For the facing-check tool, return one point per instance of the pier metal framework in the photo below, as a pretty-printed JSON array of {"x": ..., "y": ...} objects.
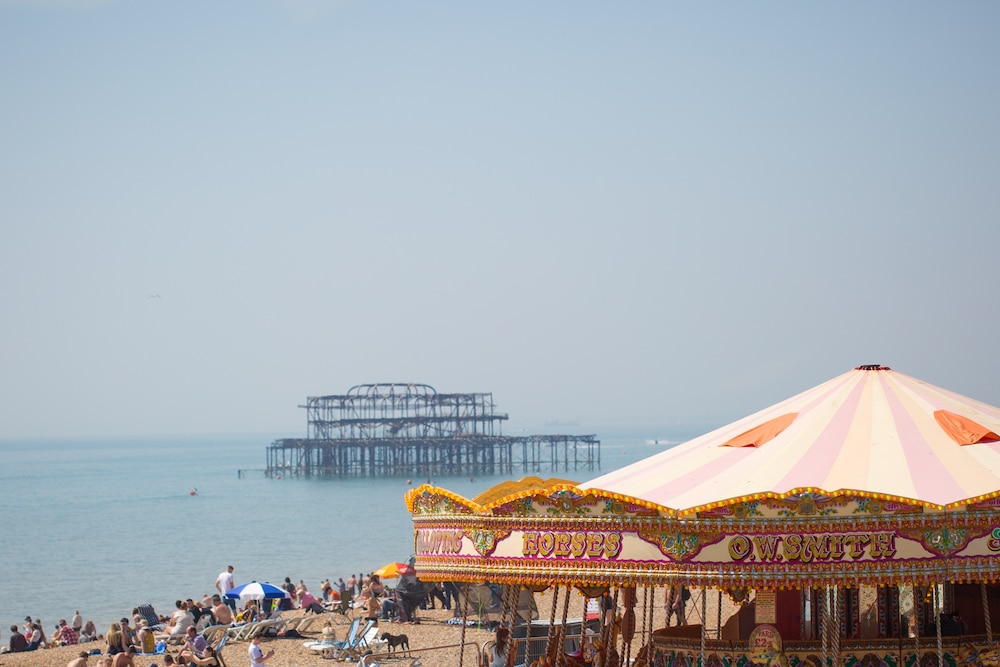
[{"x": 411, "y": 429}]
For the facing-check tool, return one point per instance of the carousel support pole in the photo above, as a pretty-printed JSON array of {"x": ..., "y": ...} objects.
[
  {"x": 608, "y": 629},
  {"x": 718, "y": 618},
  {"x": 645, "y": 611},
  {"x": 513, "y": 596},
  {"x": 704, "y": 622},
  {"x": 652, "y": 605},
  {"x": 916, "y": 633},
  {"x": 561, "y": 633},
  {"x": 552, "y": 621},
  {"x": 937, "y": 622},
  {"x": 465, "y": 620},
  {"x": 628, "y": 625},
  {"x": 835, "y": 626},
  {"x": 986, "y": 614},
  {"x": 824, "y": 626}
]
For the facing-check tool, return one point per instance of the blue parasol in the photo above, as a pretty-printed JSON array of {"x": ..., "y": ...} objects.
[{"x": 257, "y": 591}]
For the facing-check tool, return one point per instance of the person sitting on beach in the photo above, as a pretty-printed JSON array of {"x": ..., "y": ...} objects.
[
  {"x": 37, "y": 639},
  {"x": 329, "y": 634},
  {"x": 249, "y": 614},
  {"x": 67, "y": 635},
  {"x": 128, "y": 633},
  {"x": 145, "y": 639},
  {"x": 195, "y": 609},
  {"x": 115, "y": 640},
  {"x": 124, "y": 659},
  {"x": 89, "y": 632},
  {"x": 194, "y": 645},
  {"x": 369, "y": 606},
  {"x": 179, "y": 622},
  {"x": 18, "y": 642},
  {"x": 221, "y": 612},
  {"x": 79, "y": 661},
  {"x": 209, "y": 659},
  {"x": 309, "y": 603}
]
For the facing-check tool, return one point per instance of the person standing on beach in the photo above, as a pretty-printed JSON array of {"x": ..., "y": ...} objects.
[
  {"x": 77, "y": 622},
  {"x": 257, "y": 656},
  {"x": 225, "y": 583}
]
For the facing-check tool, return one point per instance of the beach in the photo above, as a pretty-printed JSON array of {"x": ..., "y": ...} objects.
[{"x": 432, "y": 641}]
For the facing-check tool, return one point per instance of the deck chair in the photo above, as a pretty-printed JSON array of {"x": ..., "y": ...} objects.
[
  {"x": 265, "y": 626},
  {"x": 369, "y": 641},
  {"x": 360, "y": 646},
  {"x": 148, "y": 613},
  {"x": 345, "y": 605},
  {"x": 240, "y": 632},
  {"x": 218, "y": 649},
  {"x": 212, "y": 632},
  {"x": 337, "y": 649},
  {"x": 309, "y": 620}
]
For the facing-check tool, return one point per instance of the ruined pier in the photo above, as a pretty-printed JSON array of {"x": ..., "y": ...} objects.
[{"x": 412, "y": 430}]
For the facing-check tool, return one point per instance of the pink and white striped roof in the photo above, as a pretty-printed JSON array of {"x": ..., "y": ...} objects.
[{"x": 871, "y": 430}]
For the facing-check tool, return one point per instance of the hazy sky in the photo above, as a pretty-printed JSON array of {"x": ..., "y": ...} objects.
[{"x": 604, "y": 213}]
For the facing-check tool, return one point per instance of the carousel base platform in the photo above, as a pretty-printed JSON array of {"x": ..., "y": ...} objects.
[{"x": 671, "y": 650}]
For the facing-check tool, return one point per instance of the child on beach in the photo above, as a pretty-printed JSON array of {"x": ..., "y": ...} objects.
[{"x": 257, "y": 656}]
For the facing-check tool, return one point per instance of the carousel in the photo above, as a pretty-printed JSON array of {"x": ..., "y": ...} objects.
[{"x": 856, "y": 524}]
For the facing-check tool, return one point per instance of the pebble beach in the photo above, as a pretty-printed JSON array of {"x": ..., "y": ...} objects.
[{"x": 433, "y": 642}]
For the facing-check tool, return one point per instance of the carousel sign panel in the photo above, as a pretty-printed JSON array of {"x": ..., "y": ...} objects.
[{"x": 539, "y": 536}]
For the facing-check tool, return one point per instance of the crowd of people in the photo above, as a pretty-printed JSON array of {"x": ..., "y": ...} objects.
[
  {"x": 33, "y": 636},
  {"x": 140, "y": 634}
]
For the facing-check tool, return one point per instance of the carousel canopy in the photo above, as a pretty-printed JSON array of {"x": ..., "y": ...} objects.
[{"x": 872, "y": 431}]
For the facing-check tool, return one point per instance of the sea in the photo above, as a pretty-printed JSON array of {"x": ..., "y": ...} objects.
[{"x": 102, "y": 525}]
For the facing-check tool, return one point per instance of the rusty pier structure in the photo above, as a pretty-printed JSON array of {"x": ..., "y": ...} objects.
[{"x": 398, "y": 429}]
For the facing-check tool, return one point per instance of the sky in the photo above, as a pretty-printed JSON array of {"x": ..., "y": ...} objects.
[{"x": 650, "y": 215}]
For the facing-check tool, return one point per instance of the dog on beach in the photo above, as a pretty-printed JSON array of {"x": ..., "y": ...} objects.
[{"x": 400, "y": 641}]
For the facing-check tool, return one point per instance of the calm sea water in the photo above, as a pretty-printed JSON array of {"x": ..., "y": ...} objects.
[{"x": 105, "y": 525}]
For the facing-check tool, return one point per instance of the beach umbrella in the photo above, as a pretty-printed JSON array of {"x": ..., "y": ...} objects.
[
  {"x": 393, "y": 571},
  {"x": 257, "y": 591}
]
